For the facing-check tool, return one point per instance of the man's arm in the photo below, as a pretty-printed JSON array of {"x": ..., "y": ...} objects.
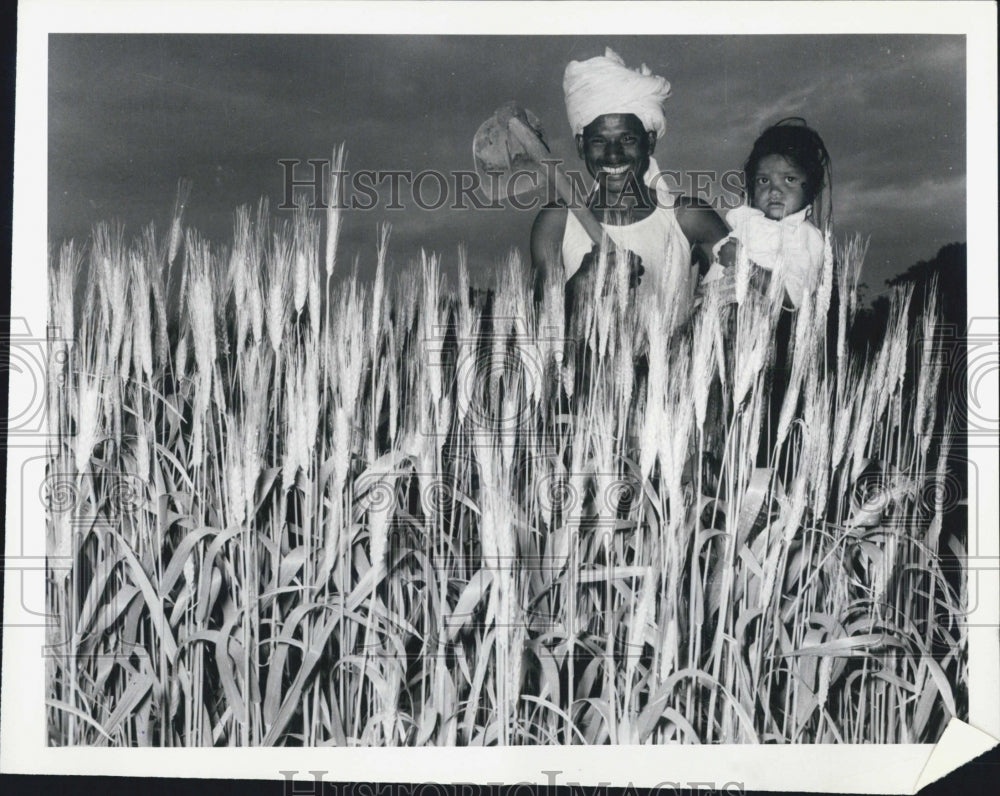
[
  {"x": 546, "y": 247},
  {"x": 703, "y": 228},
  {"x": 547, "y": 264}
]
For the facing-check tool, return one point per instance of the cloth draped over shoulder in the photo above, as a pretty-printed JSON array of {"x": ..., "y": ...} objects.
[{"x": 604, "y": 84}]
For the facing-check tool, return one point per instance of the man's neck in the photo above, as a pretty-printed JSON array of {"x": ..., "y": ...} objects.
[{"x": 633, "y": 203}]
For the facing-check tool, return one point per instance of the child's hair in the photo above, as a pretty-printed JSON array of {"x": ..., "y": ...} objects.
[{"x": 798, "y": 142}]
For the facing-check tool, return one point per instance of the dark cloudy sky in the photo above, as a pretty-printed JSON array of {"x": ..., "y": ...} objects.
[{"x": 130, "y": 114}]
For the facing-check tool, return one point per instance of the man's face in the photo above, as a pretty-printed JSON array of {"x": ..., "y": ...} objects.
[{"x": 616, "y": 148}]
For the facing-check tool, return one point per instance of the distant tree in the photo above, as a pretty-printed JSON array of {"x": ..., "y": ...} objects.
[{"x": 949, "y": 266}]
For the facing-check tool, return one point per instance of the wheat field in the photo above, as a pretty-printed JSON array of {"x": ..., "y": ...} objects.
[{"x": 287, "y": 506}]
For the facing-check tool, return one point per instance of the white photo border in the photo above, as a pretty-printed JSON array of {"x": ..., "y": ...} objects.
[{"x": 871, "y": 769}]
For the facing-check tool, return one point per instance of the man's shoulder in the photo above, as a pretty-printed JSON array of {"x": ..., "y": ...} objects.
[
  {"x": 685, "y": 201},
  {"x": 690, "y": 209},
  {"x": 694, "y": 215}
]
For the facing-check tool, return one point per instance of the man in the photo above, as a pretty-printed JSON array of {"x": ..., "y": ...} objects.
[{"x": 617, "y": 118}]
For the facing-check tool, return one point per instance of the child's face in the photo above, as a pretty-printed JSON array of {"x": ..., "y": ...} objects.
[{"x": 779, "y": 187}]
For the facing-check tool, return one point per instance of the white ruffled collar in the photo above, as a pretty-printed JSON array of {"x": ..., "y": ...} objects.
[{"x": 794, "y": 220}]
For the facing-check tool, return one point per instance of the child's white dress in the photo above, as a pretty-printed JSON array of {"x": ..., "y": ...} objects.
[{"x": 791, "y": 247}]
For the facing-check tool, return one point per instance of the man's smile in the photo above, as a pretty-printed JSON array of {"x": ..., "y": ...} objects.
[{"x": 615, "y": 170}]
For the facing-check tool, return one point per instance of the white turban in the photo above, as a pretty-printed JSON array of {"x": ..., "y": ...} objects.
[{"x": 605, "y": 85}]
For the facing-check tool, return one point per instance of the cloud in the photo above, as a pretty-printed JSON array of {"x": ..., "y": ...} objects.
[{"x": 857, "y": 201}]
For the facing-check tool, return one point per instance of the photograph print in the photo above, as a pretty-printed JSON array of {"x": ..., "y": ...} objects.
[{"x": 481, "y": 390}]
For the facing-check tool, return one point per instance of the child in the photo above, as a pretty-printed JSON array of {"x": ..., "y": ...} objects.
[
  {"x": 784, "y": 178},
  {"x": 784, "y": 175}
]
